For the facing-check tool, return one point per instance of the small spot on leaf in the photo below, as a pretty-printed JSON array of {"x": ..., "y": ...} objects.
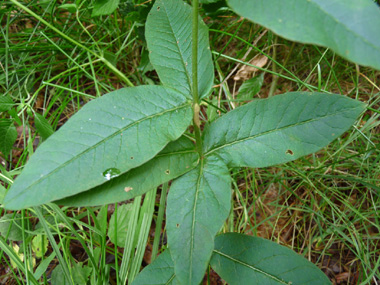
[
  {"x": 132, "y": 157},
  {"x": 158, "y": 8},
  {"x": 333, "y": 134},
  {"x": 127, "y": 189},
  {"x": 177, "y": 225},
  {"x": 289, "y": 151},
  {"x": 167, "y": 171}
]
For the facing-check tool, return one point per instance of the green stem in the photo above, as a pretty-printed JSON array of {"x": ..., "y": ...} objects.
[
  {"x": 106, "y": 62},
  {"x": 196, "y": 107},
  {"x": 274, "y": 69}
]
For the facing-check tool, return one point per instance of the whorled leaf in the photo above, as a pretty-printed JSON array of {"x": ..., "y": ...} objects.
[
  {"x": 242, "y": 259},
  {"x": 108, "y": 136},
  {"x": 175, "y": 159},
  {"x": 197, "y": 206},
  {"x": 349, "y": 27},
  {"x": 160, "y": 272},
  {"x": 279, "y": 129},
  {"x": 168, "y": 34}
]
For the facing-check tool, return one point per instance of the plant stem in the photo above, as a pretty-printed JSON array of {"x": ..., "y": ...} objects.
[
  {"x": 274, "y": 69},
  {"x": 196, "y": 107}
]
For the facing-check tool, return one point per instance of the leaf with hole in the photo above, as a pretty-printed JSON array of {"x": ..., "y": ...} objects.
[
  {"x": 40, "y": 245},
  {"x": 198, "y": 204},
  {"x": 168, "y": 30},
  {"x": 347, "y": 27},
  {"x": 280, "y": 129},
  {"x": 107, "y": 137},
  {"x": 242, "y": 259}
]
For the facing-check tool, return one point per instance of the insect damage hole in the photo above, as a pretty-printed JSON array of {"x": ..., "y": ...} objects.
[{"x": 289, "y": 151}]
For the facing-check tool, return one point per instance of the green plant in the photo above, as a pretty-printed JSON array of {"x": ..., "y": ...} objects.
[{"x": 130, "y": 141}]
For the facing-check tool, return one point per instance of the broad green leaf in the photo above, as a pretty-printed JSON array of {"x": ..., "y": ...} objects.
[
  {"x": 43, "y": 127},
  {"x": 168, "y": 34},
  {"x": 349, "y": 27},
  {"x": 6, "y": 103},
  {"x": 242, "y": 259},
  {"x": 279, "y": 129},
  {"x": 107, "y": 137},
  {"x": 198, "y": 204},
  {"x": 11, "y": 227},
  {"x": 104, "y": 7},
  {"x": 8, "y": 135},
  {"x": 58, "y": 276},
  {"x": 81, "y": 273},
  {"x": 123, "y": 217},
  {"x": 176, "y": 159},
  {"x": 250, "y": 87},
  {"x": 160, "y": 272}
]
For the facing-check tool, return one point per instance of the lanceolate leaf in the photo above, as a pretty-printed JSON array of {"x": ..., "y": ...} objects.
[
  {"x": 160, "y": 272},
  {"x": 198, "y": 204},
  {"x": 348, "y": 27},
  {"x": 280, "y": 129},
  {"x": 168, "y": 34},
  {"x": 242, "y": 259},
  {"x": 108, "y": 137},
  {"x": 176, "y": 159}
]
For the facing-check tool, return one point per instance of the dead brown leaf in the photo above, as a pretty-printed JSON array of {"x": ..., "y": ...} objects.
[{"x": 246, "y": 72}]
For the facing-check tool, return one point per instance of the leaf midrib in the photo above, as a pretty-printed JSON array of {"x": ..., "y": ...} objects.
[
  {"x": 251, "y": 267},
  {"x": 99, "y": 143},
  {"x": 275, "y": 130},
  {"x": 179, "y": 50},
  {"x": 200, "y": 173}
]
